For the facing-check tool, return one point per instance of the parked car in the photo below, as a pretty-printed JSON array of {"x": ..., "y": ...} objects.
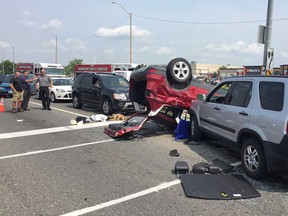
[
  {"x": 5, "y": 89},
  {"x": 106, "y": 91},
  {"x": 2, "y": 78},
  {"x": 157, "y": 86},
  {"x": 247, "y": 114}
]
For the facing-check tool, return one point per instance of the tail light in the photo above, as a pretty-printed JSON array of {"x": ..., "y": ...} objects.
[{"x": 152, "y": 70}]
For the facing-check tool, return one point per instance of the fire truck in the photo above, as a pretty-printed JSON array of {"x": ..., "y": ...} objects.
[
  {"x": 35, "y": 68},
  {"x": 121, "y": 69}
]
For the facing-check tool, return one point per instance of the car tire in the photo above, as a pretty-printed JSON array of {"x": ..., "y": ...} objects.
[
  {"x": 179, "y": 70},
  {"x": 53, "y": 97},
  {"x": 107, "y": 106},
  {"x": 76, "y": 102},
  {"x": 195, "y": 133},
  {"x": 253, "y": 159}
]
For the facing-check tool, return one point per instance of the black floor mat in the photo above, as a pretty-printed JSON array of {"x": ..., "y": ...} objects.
[
  {"x": 224, "y": 167},
  {"x": 218, "y": 186}
]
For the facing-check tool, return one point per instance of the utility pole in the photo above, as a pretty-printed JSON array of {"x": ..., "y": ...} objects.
[
  {"x": 13, "y": 59},
  {"x": 130, "y": 15},
  {"x": 268, "y": 52},
  {"x": 3, "y": 63}
]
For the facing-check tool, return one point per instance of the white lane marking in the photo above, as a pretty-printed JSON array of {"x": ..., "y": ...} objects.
[
  {"x": 124, "y": 199},
  {"x": 164, "y": 185},
  {"x": 55, "y": 149},
  {"x": 77, "y": 114},
  {"x": 53, "y": 130}
]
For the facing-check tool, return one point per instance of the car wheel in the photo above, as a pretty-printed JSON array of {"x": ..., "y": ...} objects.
[
  {"x": 76, "y": 102},
  {"x": 53, "y": 97},
  {"x": 107, "y": 106},
  {"x": 179, "y": 70},
  {"x": 195, "y": 133},
  {"x": 253, "y": 159}
]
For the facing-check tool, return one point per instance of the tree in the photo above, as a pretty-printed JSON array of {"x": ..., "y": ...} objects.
[
  {"x": 8, "y": 67},
  {"x": 220, "y": 68},
  {"x": 69, "y": 69}
]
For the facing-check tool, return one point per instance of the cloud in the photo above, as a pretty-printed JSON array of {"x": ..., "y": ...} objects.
[
  {"x": 53, "y": 24},
  {"x": 25, "y": 13},
  {"x": 238, "y": 47},
  {"x": 164, "y": 50},
  {"x": 282, "y": 54},
  {"x": 76, "y": 44},
  {"x": 27, "y": 23},
  {"x": 144, "y": 49},
  {"x": 109, "y": 51},
  {"x": 122, "y": 31},
  {"x": 4, "y": 44}
]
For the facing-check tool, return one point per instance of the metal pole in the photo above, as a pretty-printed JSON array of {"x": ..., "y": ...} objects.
[
  {"x": 130, "y": 37},
  {"x": 3, "y": 63},
  {"x": 56, "y": 52},
  {"x": 56, "y": 60},
  {"x": 13, "y": 60},
  {"x": 268, "y": 32},
  {"x": 130, "y": 15}
]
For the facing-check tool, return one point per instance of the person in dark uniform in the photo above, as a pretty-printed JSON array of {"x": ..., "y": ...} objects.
[
  {"x": 16, "y": 86},
  {"x": 27, "y": 90}
]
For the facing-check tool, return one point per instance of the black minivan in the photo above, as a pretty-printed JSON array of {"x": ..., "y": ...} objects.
[{"x": 106, "y": 91}]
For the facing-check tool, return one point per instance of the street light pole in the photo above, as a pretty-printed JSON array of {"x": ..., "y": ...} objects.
[
  {"x": 13, "y": 59},
  {"x": 130, "y": 15},
  {"x": 3, "y": 63},
  {"x": 268, "y": 32},
  {"x": 56, "y": 52}
]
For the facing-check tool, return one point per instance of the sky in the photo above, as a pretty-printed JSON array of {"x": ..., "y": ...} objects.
[{"x": 98, "y": 31}]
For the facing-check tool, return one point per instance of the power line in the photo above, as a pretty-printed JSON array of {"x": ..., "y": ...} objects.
[{"x": 207, "y": 23}]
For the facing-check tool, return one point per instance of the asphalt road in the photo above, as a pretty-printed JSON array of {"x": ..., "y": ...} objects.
[{"x": 48, "y": 167}]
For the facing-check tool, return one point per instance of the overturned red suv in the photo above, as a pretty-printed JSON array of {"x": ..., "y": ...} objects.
[{"x": 159, "y": 86}]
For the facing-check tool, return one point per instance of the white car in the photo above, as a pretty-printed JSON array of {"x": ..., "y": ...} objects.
[{"x": 61, "y": 90}]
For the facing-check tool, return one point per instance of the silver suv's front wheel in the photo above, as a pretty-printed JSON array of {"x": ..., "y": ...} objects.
[{"x": 253, "y": 159}]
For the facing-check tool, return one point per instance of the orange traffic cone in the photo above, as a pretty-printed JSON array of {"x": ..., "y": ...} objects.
[{"x": 2, "y": 108}]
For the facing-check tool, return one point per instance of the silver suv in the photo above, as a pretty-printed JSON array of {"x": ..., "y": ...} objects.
[{"x": 248, "y": 114}]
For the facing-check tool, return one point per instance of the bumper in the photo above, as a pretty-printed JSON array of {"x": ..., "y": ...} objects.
[
  {"x": 277, "y": 155},
  {"x": 8, "y": 93},
  {"x": 64, "y": 96},
  {"x": 123, "y": 105}
]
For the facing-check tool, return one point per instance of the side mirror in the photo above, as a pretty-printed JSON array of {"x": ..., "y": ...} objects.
[{"x": 201, "y": 97}]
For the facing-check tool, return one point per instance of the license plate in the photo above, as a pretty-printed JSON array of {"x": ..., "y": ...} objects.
[{"x": 10, "y": 91}]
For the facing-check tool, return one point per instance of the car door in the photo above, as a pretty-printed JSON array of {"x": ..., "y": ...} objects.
[
  {"x": 210, "y": 110},
  {"x": 84, "y": 89},
  {"x": 95, "y": 91},
  {"x": 233, "y": 113}
]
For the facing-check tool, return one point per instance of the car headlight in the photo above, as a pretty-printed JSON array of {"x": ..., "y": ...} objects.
[
  {"x": 60, "y": 90},
  {"x": 121, "y": 96},
  {"x": 1, "y": 87}
]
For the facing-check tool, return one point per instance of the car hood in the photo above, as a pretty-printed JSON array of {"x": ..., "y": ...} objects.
[
  {"x": 66, "y": 88},
  {"x": 5, "y": 85}
]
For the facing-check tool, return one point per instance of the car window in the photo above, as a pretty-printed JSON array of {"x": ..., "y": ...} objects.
[
  {"x": 62, "y": 82},
  {"x": 115, "y": 82},
  {"x": 240, "y": 94},
  {"x": 8, "y": 78},
  {"x": 86, "y": 81},
  {"x": 219, "y": 94},
  {"x": 271, "y": 95}
]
